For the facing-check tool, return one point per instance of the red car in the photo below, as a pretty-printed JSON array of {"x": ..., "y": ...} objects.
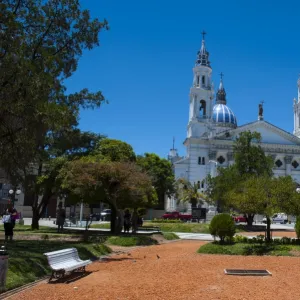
[
  {"x": 176, "y": 215},
  {"x": 240, "y": 219}
]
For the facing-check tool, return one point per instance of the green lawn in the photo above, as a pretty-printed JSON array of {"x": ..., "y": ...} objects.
[
  {"x": 27, "y": 262},
  {"x": 129, "y": 241},
  {"x": 170, "y": 227},
  {"x": 250, "y": 249},
  {"x": 170, "y": 236}
]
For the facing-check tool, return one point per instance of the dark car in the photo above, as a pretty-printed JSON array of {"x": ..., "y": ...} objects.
[{"x": 95, "y": 217}]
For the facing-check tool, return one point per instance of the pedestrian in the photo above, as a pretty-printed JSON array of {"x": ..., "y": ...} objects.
[
  {"x": 127, "y": 221},
  {"x": 60, "y": 217},
  {"x": 9, "y": 223}
]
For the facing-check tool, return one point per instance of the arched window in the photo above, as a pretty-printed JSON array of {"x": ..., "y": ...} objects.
[
  {"x": 202, "y": 109},
  {"x": 203, "y": 80},
  {"x": 198, "y": 80}
]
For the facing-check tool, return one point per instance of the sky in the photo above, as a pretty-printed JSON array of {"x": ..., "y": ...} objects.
[{"x": 144, "y": 63}]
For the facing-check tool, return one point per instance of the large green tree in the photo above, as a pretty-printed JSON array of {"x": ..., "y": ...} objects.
[
  {"x": 41, "y": 42},
  {"x": 114, "y": 150},
  {"x": 250, "y": 161},
  {"x": 161, "y": 173},
  {"x": 119, "y": 184}
]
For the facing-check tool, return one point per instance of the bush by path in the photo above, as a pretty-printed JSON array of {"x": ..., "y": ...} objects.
[
  {"x": 27, "y": 262},
  {"x": 170, "y": 236},
  {"x": 274, "y": 249}
]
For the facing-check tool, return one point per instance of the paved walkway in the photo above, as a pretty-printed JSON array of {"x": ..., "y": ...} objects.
[{"x": 182, "y": 235}]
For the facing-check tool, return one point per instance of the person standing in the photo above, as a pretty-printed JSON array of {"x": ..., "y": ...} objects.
[
  {"x": 60, "y": 217},
  {"x": 127, "y": 220},
  {"x": 9, "y": 223}
]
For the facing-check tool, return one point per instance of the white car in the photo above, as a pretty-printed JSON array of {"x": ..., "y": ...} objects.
[{"x": 280, "y": 218}]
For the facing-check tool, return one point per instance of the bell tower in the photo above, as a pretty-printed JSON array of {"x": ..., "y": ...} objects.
[
  {"x": 201, "y": 94},
  {"x": 297, "y": 112}
]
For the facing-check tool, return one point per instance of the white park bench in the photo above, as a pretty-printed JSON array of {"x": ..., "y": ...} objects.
[{"x": 63, "y": 261}]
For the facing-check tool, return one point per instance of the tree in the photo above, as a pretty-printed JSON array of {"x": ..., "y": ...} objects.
[
  {"x": 250, "y": 164},
  {"x": 114, "y": 150},
  {"x": 161, "y": 173},
  {"x": 120, "y": 184},
  {"x": 188, "y": 192},
  {"x": 249, "y": 157},
  {"x": 43, "y": 183},
  {"x": 41, "y": 42},
  {"x": 266, "y": 195}
]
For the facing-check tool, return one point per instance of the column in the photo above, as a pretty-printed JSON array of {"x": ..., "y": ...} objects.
[
  {"x": 288, "y": 161},
  {"x": 230, "y": 158}
]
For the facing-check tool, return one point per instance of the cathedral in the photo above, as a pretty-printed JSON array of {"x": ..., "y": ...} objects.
[{"x": 213, "y": 127}]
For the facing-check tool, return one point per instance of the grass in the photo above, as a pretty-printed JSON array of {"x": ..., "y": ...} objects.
[
  {"x": 170, "y": 236},
  {"x": 170, "y": 227},
  {"x": 27, "y": 262},
  {"x": 129, "y": 241},
  {"x": 250, "y": 249}
]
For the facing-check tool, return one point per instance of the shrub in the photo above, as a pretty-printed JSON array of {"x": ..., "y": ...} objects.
[
  {"x": 222, "y": 226},
  {"x": 240, "y": 239},
  {"x": 170, "y": 236},
  {"x": 297, "y": 227}
]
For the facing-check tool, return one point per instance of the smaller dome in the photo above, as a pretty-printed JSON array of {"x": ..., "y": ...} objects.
[{"x": 223, "y": 116}]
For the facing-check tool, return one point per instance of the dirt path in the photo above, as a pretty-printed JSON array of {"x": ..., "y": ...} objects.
[
  {"x": 277, "y": 233},
  {"x": 178, "y": 273}
]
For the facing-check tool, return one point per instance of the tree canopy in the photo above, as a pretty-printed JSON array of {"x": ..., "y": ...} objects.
[
  {"x": 41, "y": 42},
  {"x": 161, "y": 173}
]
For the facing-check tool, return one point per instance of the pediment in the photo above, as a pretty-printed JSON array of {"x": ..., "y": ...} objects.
[{"x": 270, "y": 134}]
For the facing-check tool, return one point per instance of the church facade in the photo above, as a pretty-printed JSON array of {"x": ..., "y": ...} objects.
[{"x": 213, "y": 127}]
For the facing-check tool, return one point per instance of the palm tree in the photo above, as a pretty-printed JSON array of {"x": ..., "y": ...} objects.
[{"x": 188, "y": 192}]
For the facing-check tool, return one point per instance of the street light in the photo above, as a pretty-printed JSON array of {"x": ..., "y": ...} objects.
[{"x": 13, "y": 193}]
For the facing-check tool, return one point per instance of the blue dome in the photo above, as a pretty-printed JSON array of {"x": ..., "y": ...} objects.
[{"x": 223, "y": 116}]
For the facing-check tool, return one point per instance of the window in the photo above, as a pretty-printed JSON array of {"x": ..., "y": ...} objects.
[
  {"x": 203, "y": 80},
  {"x": 201, "y": 160},
  {"x": 202, "y": 184},
  {"x": 198, "y": 80},
  {"x": 198, "y": 184},
  {"x": 202, "y": 110}
]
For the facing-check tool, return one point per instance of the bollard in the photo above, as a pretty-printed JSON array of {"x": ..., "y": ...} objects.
[{"x": 3, "y": 268}]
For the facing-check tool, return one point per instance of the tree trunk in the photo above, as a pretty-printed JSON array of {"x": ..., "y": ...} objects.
[
  {"x": 268, "y": 237},
  {"x": 35, "y": 219},
  {"x": 113, "y": 217},
  {"x": 250, "y": 218},
  {"x": 134, "y": 219}
]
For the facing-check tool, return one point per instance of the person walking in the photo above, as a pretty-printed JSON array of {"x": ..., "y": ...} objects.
[{"x": 60, "y": 217}]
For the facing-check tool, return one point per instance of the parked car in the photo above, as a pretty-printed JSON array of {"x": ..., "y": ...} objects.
[
  {"x": 280, "y": 218},
  {"x": 95, "y": 217},
  {"x": 240, "y": 219},
  {"x": 176, "y": 215},
  {"x": 105, "y": 215}
]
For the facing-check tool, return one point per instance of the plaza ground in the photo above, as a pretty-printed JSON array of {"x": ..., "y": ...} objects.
[{"x": 178, "y": 273}]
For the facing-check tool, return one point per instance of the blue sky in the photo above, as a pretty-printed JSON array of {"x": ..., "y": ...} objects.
[{"x": 144, "y": 65}]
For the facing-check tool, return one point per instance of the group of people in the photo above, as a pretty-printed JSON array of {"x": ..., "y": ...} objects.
[
  {"x": 131, "y": 221},
  {"x": 9, "y": 217}
]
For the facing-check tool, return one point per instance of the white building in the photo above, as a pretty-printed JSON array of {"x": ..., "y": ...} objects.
[{"x": 212, "y": 129}]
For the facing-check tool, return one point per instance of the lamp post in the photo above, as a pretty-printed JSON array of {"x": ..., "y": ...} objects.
[{"x": 13, "y": 193}]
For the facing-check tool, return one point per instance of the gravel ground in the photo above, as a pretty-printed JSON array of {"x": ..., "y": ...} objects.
[{"x": 178, "y": 273}]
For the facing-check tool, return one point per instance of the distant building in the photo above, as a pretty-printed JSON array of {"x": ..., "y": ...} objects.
[{"x": 213, "y": 127}]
